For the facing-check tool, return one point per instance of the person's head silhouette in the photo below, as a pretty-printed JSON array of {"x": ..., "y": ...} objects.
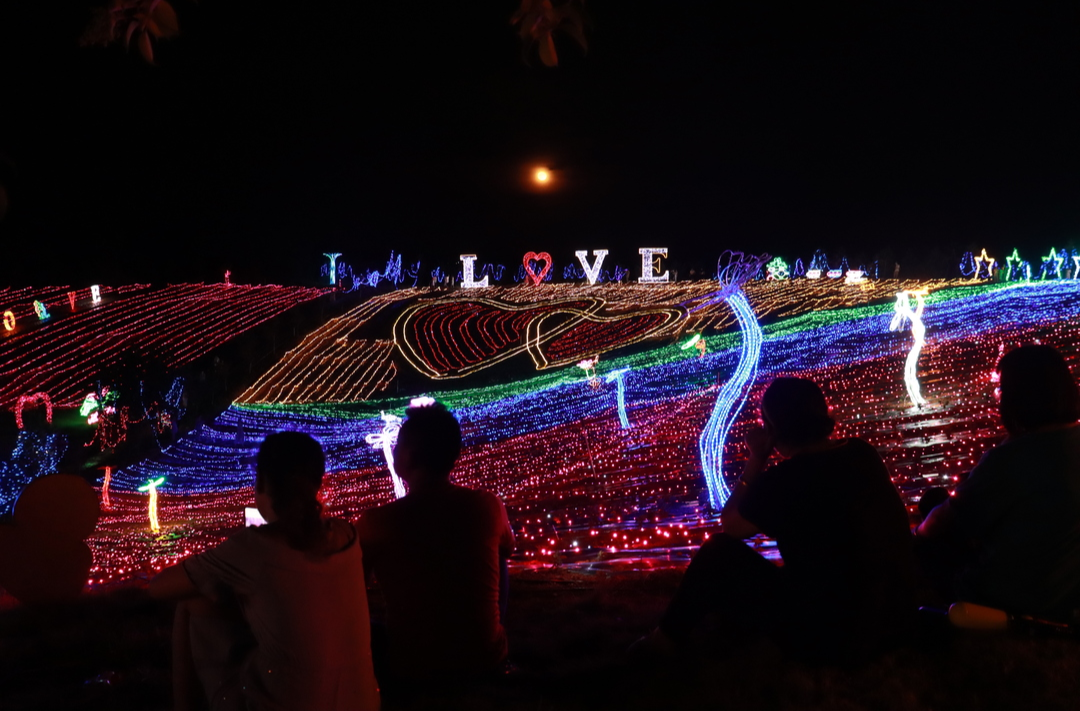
[
  {"x": 428, "y": 445},
  {"x": 795, "y": 414},
  {"x": 288, "y": 474},
  {"x": 1037, "y": 390}
]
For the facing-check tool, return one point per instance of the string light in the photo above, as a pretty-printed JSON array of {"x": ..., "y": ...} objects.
[
  {"x": 592, "y": 272},
  {"x": 385, "y": 441},
  {"x": 530, "y": 257},
  {"x": 1052, "y": 263},
  {"x": 579, "y": 490},
  {"x": 650, "y": 265},
  {"x": 152, "y": 504},
  {"x": 25, "y": 400},
  {"x": 777, "y": 269},
  {"x": 468, "y": 272},
  {"x": 984, "y": 263},
  {"x": 332, "y": 256},
  {"x": 41, "y": 311},
  {"x": 618, "y": 377},
  {"x": 905, "y": 313},
  {"x": 105, "y": 503},
  {"x": 36, "y": 454},
  {"x": 181, "y": 323}
]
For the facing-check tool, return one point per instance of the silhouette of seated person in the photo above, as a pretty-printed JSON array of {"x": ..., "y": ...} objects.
[
  {"x": 846, "y": 586},
  {"x": 1017, "y": 514},
  {"x": 276, "y": 617},
  {"x": 439, "y": 555}
]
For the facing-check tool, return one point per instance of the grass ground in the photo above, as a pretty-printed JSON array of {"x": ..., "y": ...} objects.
[{"x": 568, "y": 634}]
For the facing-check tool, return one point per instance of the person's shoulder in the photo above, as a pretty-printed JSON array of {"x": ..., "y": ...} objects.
[
  {"x": 479, "y": 497},
  {"x": 859, "y": 446}
]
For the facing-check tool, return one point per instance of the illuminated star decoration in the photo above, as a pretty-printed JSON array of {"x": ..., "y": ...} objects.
[
  {"x": 617, "y": 376},
  {"x": 1013, "y": 262},
  {"x": 151, "y": 486},
  {"x": 386, "y": 440},
  {"x": 904, "y": 313},
  {"x": 1052, "y": 262},
  {"x": 733, "y": 271},
  {"x": 989, "y": 262}
]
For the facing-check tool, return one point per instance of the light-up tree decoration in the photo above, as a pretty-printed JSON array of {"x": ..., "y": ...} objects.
[
  {"x": 777, "y": 269},
  {"x": 618, "y": 377},
  {"x": 332, "y": 256},
  {"x": 905, "y": 313},
  {"x": 386, "y": 440},
  {"x": 734, "y": 270},
  {"x": 151, "y": 487}
]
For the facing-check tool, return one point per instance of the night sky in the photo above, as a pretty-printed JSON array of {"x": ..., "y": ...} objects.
[{"x": 269, "y": 133}]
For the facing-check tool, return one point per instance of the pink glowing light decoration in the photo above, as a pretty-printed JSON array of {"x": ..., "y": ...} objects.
[
  {"x": 105, "y": 503},
  {"x": 30, "y": 399}
]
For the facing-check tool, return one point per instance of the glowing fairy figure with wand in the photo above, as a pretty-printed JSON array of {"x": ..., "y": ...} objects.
[
  {"x": 733, "y": 271},
  {"x": 904, "y": 313},
  {"x": 385, "y": 440}
]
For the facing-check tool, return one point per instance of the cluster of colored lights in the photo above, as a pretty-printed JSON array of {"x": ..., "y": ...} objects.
[
  {"x": 583, "y": 490},
  {"x": 459, "y": 334},
  {"x": 177, "y": 323}
]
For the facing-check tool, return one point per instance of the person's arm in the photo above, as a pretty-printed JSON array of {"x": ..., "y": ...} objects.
[
  {"x": 172, "y": 583},
  {"x": 760, "y": 445},
  {"x": 940, "y": 522},
  {"x": 506, "y": 548}
]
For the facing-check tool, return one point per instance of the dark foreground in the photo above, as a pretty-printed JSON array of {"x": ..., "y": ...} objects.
[{"x": 568, "y": 635}]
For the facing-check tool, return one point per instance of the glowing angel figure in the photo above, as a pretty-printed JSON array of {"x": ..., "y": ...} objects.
[
  {"x": 903, "y": 314},
  {"x": 151, "y": 487},
  {"x": 386, "y": 440},
  {"x": 735, "y": 269},
  {"x": 617, "y": 376}
]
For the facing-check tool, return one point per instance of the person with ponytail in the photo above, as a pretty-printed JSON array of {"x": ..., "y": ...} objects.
[{"x": 298, "y": 583}]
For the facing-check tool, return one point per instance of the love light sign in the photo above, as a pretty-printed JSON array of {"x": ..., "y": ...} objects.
[{"x": 538, "y": 266}]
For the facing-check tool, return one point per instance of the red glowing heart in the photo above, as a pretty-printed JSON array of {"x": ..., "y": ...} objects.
[{"x": 531, "y": 275}]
